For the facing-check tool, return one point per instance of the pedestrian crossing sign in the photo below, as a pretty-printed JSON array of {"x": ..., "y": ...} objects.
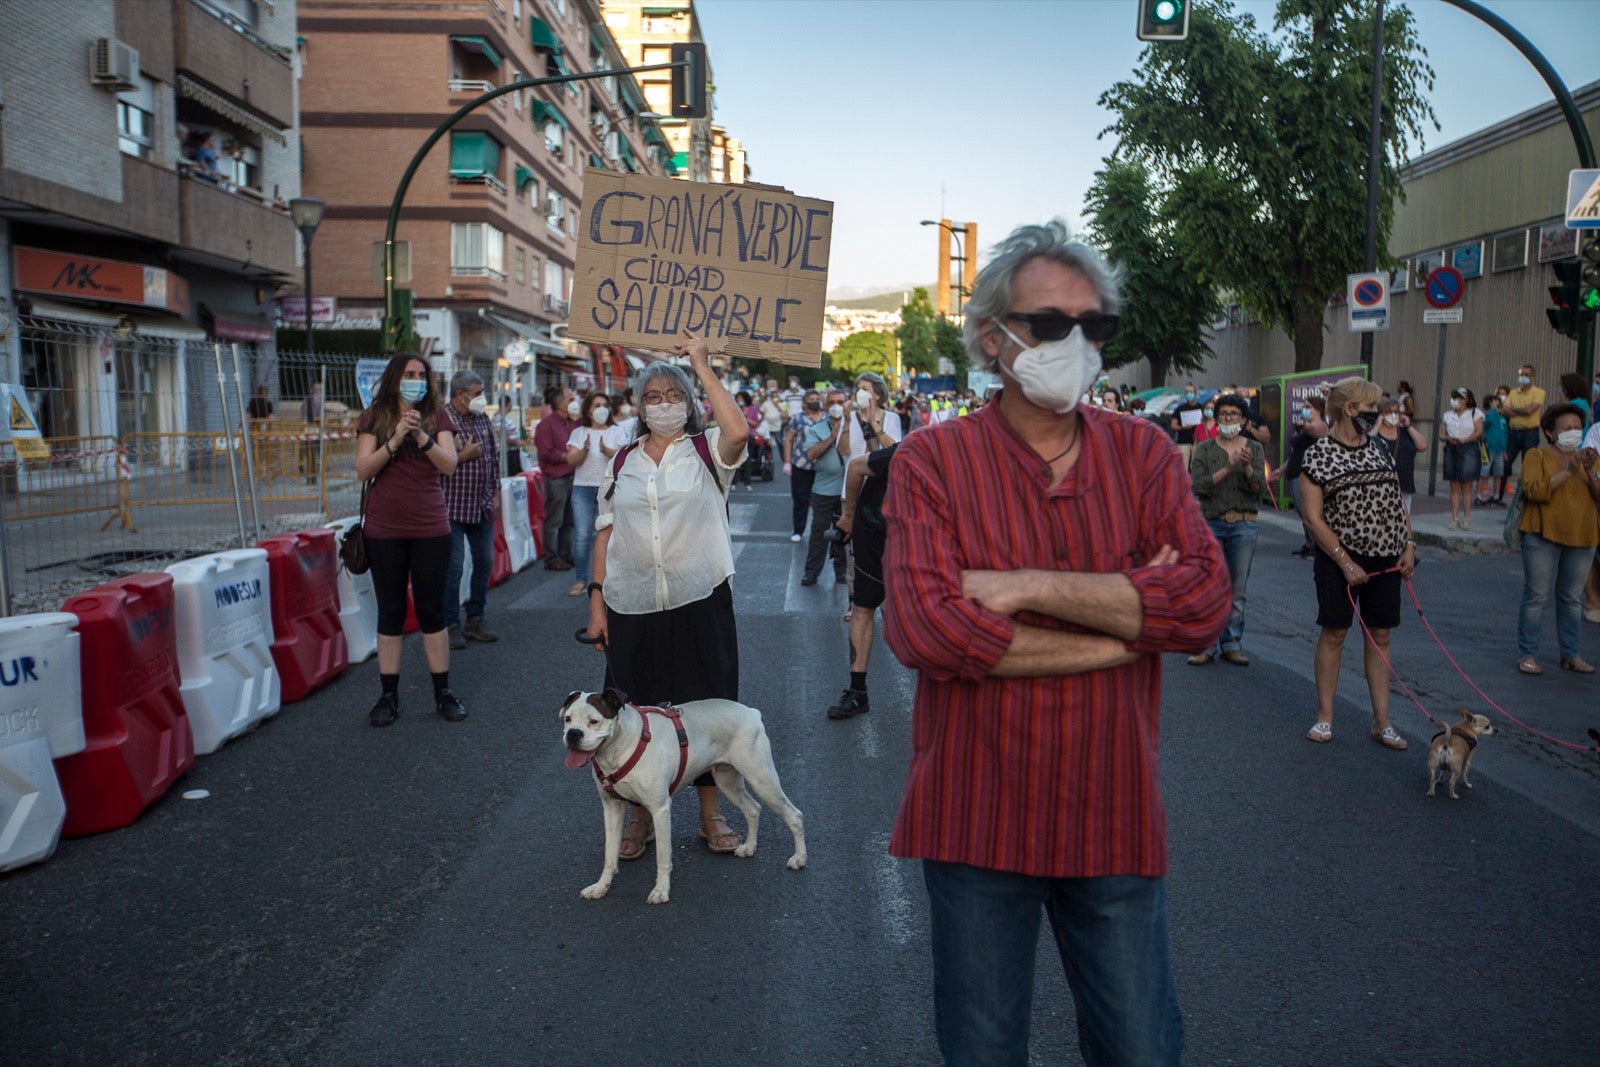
[{"x": 1583, "y": 200}]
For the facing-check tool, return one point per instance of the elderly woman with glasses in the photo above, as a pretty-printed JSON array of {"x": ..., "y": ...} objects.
[{"x": 660, "y": 605}]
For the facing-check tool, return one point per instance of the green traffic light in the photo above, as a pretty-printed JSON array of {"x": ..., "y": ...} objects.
[
  {"x": 1167, "y": 10},
  {"x": 1591, "y": 300}
]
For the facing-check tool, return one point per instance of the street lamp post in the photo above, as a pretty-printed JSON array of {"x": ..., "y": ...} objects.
[
  {"x": 956, "y": 231},
  {"x": 306, "y": 211}
]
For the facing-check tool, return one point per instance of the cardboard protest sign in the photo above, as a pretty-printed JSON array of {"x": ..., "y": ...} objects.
[{"x": 745, "y": 266}]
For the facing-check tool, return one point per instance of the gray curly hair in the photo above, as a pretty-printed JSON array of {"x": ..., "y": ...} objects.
[
  {"x": 671, "y": 377},
  {"x": 991, "y": 292}
]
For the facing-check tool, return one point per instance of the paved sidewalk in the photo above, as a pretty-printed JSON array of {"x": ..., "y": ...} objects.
[{"x": 1430, "y": 521}]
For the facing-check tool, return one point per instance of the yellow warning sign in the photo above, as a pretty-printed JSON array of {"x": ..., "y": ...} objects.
[{"x": 20, "y": 419}]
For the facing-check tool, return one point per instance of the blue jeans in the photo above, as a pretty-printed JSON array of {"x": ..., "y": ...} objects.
[
  {"x": 479, "y": 537},
  {"x": 1546, "y": 564},
  {"x": 585, "y": 506},
  {"x": 1112, "y": 936},
  {"x": 1238, "y": 543}
]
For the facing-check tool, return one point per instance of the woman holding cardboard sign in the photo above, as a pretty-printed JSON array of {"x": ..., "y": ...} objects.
[{"x": 660, "y": 605}]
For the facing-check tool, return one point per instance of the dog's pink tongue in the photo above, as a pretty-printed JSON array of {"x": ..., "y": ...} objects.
[{"x": 576, "y": 759}]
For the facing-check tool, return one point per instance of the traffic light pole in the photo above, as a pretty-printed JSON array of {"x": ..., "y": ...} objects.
[
  {"x": 1580, "y": 138},
  {"x": 398, "y": 334}
]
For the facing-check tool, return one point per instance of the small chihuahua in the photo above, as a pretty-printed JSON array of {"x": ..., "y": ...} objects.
[{"x": 1453, "y": 749}]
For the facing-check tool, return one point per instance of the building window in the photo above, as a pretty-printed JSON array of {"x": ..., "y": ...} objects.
[
  {"x": 516, "y": 10},
  {"x": 135, "y": 130},
  {"x": 242, "y": 164},
  {"x": 522, "y": 265},
  {"x": 552, "y": 138},
  {"x": 559, "y": 7},
  {"x": 555, "y": 287},
  {"x": 477, "y": 250},
  {"x": 555, "y": 210},
  {"x": 658, "y": 95}
]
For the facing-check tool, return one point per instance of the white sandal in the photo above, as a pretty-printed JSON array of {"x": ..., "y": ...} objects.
[{"x": 1320, "y": 732}]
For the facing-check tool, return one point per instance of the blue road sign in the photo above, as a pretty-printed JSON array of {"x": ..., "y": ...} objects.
[
  {"x": 1583, "y": 200},
  {"x": 1444, "y": 287}
]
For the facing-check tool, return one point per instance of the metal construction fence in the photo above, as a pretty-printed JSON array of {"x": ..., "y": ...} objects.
[{"x": 186, "y": 447}]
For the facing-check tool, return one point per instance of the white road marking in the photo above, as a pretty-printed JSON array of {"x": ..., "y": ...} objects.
[
  {"x": 869, "y": 737},
  {"x": 893, "y": 900}
]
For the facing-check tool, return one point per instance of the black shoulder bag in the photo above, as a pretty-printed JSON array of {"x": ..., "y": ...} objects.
[{"x": 353, "y": 546}]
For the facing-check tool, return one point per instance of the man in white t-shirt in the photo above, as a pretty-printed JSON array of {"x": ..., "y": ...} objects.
[{"x": 794, "y": 398}]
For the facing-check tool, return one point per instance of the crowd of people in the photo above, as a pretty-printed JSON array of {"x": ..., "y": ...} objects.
[{"x": 1017, "y": 580}]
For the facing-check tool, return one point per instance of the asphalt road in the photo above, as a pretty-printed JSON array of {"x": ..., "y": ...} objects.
[{"x": 351, "y": 896}]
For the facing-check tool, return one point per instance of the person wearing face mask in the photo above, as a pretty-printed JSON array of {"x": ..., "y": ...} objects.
[
  {"x": 561, "y": 411},
  {"x": 1463, "y": 430},
  {"x": 1353, "y": 504},
  {"x": 1522, "y": 408},
  {"x": 660, "y": 605},
  {"x": 1495, "y": 438},
  {"x": 472, "y": 498},
  {"x": 1207, "y": 430},
  {"x": 1403, "y": 440},
  {"x": 1183, "y": 429},
  {"x": 822, "y": 447},
  {"x": 797, "y": 466},
  {"x": 1033, "y": 594},
  {"x": 873, "y": 426},
  {"x": 405, "y": 443},
  {"x": 793, "y": 399},
  {"x": 589, "y": 449},
  {"x": 1560, "y": 529},
  {"x": 1310, "y": 426},
  {"x": 624, "y": 415},
  {"x": 1229, "y": 473}
]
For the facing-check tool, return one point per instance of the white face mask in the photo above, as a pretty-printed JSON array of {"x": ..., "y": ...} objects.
[
  {"x": 1392, "y": 420},
  {"x": 600, "y": 416},
  {"x": 478, "y": 405},
  {"x": 1054, "y": 375},
  {"x": 627, "y": 411},
  {"x": 665, "y": 420},
  {"x": 574, "y": 408},
  {"x": 1569, "y": 440},
  {"x": 1229, "y": 429},
  {"x": 836, "y": 411},
  {"x": 1457, "y": 403},
  {"x": 863, "y": 397},
  {"x": 1523, "y": 379}
]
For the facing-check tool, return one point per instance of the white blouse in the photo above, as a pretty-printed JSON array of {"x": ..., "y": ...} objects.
[
  {"x": 595, "y": 461},
  {"x": 858, "y": 440},
  {"x": 670, "y": 543},
  {"x": 1461, "y": 423}
]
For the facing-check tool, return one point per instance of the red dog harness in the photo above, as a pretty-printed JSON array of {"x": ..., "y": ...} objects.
[{"x": 609, "y": 781}]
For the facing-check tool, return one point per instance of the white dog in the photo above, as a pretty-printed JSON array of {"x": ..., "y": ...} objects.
[{"x": 645, "y": 758}]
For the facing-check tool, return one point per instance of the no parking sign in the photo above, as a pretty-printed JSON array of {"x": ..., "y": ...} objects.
[{"x": 1367, "y": 297}]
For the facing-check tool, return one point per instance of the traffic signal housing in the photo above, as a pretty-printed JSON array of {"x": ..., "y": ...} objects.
[
  {"x": 1163, "y": 20},
  {"x": 689, "y": 80},
  {"x": 1563, "y": 310},
  {"x": 1589, "y": 277}
]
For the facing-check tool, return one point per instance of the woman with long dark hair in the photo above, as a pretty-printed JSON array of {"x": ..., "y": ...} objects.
[{"x": 405, "y": 443}]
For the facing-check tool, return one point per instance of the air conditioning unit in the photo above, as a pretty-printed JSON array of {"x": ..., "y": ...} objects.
[{"x": 113, "y": 65}]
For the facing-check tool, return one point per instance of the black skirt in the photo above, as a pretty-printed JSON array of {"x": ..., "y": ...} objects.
[{"x": 687, "y": 653}]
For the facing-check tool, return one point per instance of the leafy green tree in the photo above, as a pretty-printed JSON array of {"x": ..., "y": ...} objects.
[
  {"x": 1167, "y": 302},
  {"x": 863, "y": 351},
  {"x": 948, "y": 344},
  {"x": 1264, "y": 136},
  {"x": 918, "y": 333}
]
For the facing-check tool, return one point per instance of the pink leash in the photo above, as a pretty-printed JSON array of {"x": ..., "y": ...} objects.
[{"x": 1350, "y": 591}]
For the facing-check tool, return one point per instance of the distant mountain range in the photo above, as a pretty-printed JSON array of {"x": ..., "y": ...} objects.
[{"x": 863, "y": 299}]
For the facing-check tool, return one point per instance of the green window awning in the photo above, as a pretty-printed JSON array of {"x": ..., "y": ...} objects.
[
  {"x": 559, "y": 64},
  {"x": 523, "y": 176},
  {"x": 631, "y": 96},
  {"x": 680, "y": 161},
  {"x": 663, "y": 10},
  {"x": 480, "y": 45},
  {"x": 544, "y": 113},
  {"x": 473, "y": 155},
  {"x": 653, "y": 135},
  {"x": 596, "y": 161},
  {"x": 627, "y": 155},
  {"x": 542, "y": 36}
]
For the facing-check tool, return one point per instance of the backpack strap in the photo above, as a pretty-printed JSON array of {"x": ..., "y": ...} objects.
[
  {"x": 704, "y": 448},
  {"x": 616, "y": 465},
  {"x": 700, "y": 446}
]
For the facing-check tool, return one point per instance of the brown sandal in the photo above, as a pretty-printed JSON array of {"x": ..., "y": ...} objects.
[
  {"x": 1529, "y": 665},
  {"x": 640, "y": 831},
  {"x": 718, "y": 840},
  {"x": 1576, "y": 666}
]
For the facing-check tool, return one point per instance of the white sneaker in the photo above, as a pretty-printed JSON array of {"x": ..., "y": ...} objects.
[{"x": 795, "y": 538}]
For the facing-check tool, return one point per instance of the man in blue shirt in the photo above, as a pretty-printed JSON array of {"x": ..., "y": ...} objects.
[{"x": 821, "y": 446}]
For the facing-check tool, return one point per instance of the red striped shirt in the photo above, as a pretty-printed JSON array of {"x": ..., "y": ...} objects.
[{"x": 1055, "y": 776}]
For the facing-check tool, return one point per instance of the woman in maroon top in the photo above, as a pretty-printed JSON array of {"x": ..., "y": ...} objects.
[{"x": 405, "y": 442}]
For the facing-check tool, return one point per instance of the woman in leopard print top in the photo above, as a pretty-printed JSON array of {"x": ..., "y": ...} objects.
[{"x": 1351, "y": 501}]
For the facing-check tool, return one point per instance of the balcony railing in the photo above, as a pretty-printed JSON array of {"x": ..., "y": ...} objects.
[
  {"x": 278, "y": 52},
  {"x": 480, "y": 271},
  {"x": 477, "y": 87},
  {"x": 479, "y": 179}
]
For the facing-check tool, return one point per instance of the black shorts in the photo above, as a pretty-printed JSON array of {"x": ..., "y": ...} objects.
[
  {"x": 866, "y": 568},
  {"x": 1379, "y": 597}
]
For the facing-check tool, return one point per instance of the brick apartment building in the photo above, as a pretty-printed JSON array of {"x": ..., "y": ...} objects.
[
  {"x": 122, "y": 255},
  {"x": 488, "y": 232}
]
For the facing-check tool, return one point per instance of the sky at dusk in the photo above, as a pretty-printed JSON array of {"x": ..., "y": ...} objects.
[{"x": 896, "y": 109}]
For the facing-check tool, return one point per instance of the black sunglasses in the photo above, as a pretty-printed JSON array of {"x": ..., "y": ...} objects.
[{"x": 1053, "y": 325}]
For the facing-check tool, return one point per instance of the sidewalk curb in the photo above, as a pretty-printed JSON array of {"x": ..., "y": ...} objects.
[{"x": 1457, "y": 542}]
